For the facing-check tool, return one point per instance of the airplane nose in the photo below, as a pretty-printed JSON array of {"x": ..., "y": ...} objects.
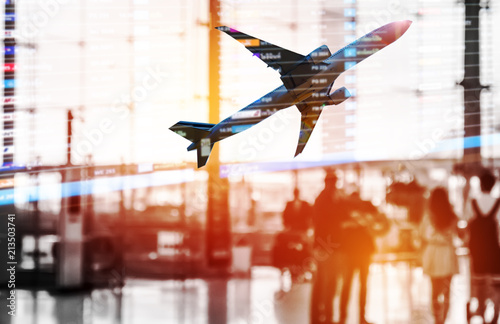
[{"x": 404, "y": 25}]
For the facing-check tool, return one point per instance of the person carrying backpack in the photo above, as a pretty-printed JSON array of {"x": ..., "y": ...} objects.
[{"x": 484, "y": 245}]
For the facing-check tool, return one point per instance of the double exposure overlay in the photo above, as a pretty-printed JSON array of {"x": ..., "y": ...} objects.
[{"x": 250, "y": 161}]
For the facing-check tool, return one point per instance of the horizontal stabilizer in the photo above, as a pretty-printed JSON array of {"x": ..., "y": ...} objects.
[
  {"x": 192, "y": 131},
  {"x": 197, "y": 133},
  {"x": 339, "y": 96}
]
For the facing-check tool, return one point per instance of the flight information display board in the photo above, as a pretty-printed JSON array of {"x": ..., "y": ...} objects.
[
  {"x": 406, "y": 103},
  {"x": 129, "y": 70}
]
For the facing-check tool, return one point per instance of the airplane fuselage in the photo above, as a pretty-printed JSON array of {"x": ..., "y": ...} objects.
[{"x": 278, "y": 99}]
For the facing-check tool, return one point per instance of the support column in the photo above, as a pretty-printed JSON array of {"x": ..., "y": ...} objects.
[
  {"x": 70, "y": 252},
  {"x": 218, "y": 220},
  {"x": 69, "y": 262},
  {"x": 472, "y": 85}
]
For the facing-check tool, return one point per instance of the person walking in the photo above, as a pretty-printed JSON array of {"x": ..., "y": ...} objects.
[
  {"x": 358, "y": 248},
  {"x": 292, "y": 246},
  {"x": 439, "y": 259}
]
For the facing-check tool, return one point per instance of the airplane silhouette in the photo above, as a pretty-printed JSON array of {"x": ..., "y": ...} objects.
[{"x": 307, "y": 82}]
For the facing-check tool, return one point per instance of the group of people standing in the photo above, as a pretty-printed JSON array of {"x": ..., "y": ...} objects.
[
  {"x": 480, "y": 234},
  {"x": 344, "y": 232},
  {"x": 344, "y": 229}
]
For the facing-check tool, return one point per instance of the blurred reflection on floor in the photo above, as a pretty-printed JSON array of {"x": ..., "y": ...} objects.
[{"x": 396, "y": 295}]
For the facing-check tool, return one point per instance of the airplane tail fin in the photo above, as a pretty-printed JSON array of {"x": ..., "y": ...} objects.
[{"x": 196, "y": 133}]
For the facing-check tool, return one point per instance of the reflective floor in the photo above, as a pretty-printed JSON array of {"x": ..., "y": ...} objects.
[{"x": 397, "y": 294}]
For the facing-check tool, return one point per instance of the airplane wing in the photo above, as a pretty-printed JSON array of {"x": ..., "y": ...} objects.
[
  {"x": 311, "y": 109},
  {"x": 274, "y": 56},
  {"x": 309, "y": 118}
]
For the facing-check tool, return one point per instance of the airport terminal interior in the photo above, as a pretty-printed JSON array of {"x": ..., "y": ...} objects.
[{"x": 388, "y": 215}]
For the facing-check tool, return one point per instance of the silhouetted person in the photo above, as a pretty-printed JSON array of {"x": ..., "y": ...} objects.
[
  {"x": 330, "y": 211},
  {"x": 359, "y": 247},
  {"x": 484, "y": 243},
  {"x": 291, "y": 247},
  {"x": 439, "y": 260},
  {"x": 297, "y": 214},
  {"x": 252, "y": 213}
]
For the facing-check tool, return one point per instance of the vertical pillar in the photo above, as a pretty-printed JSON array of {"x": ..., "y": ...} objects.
[
  {"x": 69, "y": 137},
  {"x": 69, "y": 263},
  {"x": 218, "y": 222},
  {"x": 70, "y": 254},
  {"x": 88, "y": 198},
  {"x": 472, "y": 85},
  {"x": 36, "y": 228}
]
